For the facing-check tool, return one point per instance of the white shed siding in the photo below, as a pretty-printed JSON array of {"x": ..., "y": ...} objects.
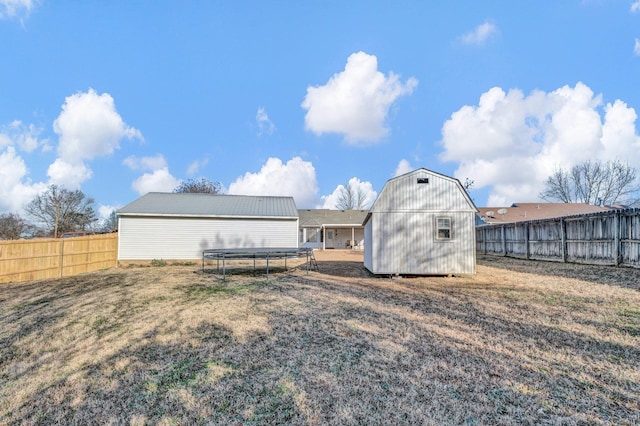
[
  {"x": 147, "y": 238},
  {"x": 368, "y": 245},
  {"x": 400, "y": 232},
  {"x": 405, "y": 243}
]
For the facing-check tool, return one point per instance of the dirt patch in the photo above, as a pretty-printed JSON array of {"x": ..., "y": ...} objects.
[{"x": 517, "y": 343}]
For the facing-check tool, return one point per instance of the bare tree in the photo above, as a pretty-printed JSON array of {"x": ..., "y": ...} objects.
[
  {"x": 202, "y": 185},
  {"x": 352, "y": 197},
  {"x": 110, "y": 223},
  {"x": 593, "y": 182},
  {"x": 13, "y": 227},
  {"x": 559, "y": 187},
  {"x": 60, "y": 210}
]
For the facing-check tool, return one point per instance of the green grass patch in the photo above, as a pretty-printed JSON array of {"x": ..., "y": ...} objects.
[
  {"x": 629, "y": 321},
  {"x": 201, "y": 291}
]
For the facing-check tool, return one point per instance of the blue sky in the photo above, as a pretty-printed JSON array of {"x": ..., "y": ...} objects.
[{"x": 298, "y": 98}]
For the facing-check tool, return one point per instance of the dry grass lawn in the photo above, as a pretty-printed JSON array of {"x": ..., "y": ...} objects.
[{"x": 518, "y": 343}]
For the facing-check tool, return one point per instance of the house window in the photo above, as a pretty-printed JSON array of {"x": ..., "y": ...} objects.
[{"x": 443, "y": 228}]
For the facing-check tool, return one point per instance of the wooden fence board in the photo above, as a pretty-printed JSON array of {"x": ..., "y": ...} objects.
[
  {"x": 26, "y": 260},
  {"x": 606, "y": 238}
]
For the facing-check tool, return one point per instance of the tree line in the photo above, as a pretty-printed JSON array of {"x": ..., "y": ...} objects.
[{"x": 59, "y": 210}]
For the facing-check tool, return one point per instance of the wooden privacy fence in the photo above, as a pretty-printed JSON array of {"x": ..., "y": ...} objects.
[
  {"x": 605, "y": 238},
  {"x": 25, "y": 260}
]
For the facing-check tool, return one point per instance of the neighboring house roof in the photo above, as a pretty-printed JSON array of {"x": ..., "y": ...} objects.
[
  {"x": 521, "y": 212},
  {"x": 316, "y": 218},
  {"x": 209, "y": 205}
]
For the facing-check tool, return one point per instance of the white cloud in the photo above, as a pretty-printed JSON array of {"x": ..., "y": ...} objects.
[
  {"x": 196, "y": 166},
  {"x": 158, "y": 179},
  {"x": 68, "y": 175},
  {"x": 104, "y": 211},
  {"x": 636, "y": 47},
  {"x": 356, "y": 101},
  {"x": 265, "y": 125},
  {"x": 512, "y": 143},
  {"x": 89, "y": 126},
  {"x": 26, "y": 137},
  {"x": 16, "y": 8},
  {"x": 15, "y": 189},
  {"x": 480, "y": 34},
  {"x": 296, "y": 178},
  {"x": 635, "y": 6},
  {"x": 403, "y": 167},
  {"x": 331, "y": 201},
  {"x": 145, "y": 163}
]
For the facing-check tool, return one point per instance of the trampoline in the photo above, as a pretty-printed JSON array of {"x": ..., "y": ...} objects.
[{"x": 258, "y": 253}]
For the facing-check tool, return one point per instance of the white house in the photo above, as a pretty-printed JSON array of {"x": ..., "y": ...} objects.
[
  {"x": 422, "y": 223},
  {"x": 180, "y": 226},
  {"x": 331, "y": 229}
]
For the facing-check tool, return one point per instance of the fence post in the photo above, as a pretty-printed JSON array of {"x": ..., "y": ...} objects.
[
  {"x": 563, "y": 239},
  {"x": 526, "y": 241},
  {"x": 61, "y": 258},
  {"x": 616, "y": 238},
  {"x": 484, "y": 240},
  {"x": 503, "y": 235}
]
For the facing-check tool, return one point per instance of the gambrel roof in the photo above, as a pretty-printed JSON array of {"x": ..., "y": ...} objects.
[
  {"x": 210, "y": 205},
  {"x": 422, "y": 190}
]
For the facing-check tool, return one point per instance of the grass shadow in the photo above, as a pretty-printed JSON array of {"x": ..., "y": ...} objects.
[{"x": 625, "y": 277}]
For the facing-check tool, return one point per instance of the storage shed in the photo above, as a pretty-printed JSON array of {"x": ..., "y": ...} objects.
[
  {"x": 180, "y": 226},
  {"x": 422, "y": 223}
]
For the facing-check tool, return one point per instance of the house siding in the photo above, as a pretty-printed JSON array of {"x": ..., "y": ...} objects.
[{"x": 148, "y": 238}]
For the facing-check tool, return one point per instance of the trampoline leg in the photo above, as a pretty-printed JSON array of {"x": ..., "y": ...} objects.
[{"x": 224, "y": 270}]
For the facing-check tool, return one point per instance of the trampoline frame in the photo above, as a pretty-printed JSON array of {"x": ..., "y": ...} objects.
[{"x": 257, "y": 253}]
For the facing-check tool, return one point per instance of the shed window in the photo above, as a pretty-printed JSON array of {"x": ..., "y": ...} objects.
[{"x": 443, "y": 228}]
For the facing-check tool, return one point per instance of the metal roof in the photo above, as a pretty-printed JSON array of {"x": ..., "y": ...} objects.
[
  {"x": 317, "y": 217},
  {"x": 209, "y": 205}
]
